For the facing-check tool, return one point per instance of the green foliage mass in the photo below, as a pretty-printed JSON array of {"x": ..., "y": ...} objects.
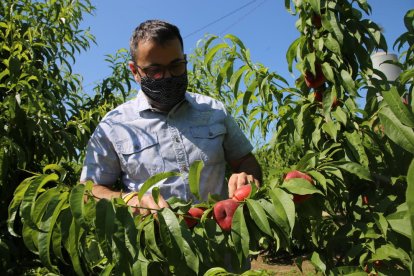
[
  {"x": 45, "y": 116},
  {"x": 358, "y": 217}
]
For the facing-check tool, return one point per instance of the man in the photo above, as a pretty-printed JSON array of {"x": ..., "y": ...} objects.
[{"x": 165, "y": 129}]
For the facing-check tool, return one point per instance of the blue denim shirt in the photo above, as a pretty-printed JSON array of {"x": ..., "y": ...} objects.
[{"x": 135, "y": 142}]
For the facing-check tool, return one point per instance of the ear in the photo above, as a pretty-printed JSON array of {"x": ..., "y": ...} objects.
[{"x": 134, "y": 71}]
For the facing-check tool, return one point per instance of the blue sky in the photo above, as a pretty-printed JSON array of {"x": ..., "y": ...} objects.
[{"x": 264, "y": 26}]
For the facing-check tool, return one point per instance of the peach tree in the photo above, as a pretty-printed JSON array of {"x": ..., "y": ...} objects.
[
  {"x": 357, "y": 156},
  {"x": 337, "y": 175}
]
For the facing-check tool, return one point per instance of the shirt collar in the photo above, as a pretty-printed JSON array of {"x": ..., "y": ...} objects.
[{"x": 143, "y": 104}]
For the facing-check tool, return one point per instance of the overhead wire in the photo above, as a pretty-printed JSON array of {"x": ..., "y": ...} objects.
[
  {"x": 242, "y": 17},
  {"x": 214, "y": 22},
  {"x": 219, "y": 19}
]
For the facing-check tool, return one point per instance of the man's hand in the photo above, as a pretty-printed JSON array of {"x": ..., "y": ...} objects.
[
  {"x": 247, "y": 170},
  {"x": 147, "y": 204},
  {"x": 239, "y": 179}
]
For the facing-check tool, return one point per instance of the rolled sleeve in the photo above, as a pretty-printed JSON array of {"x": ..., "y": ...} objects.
[
  {"x": 236, "y": 144},
  {"x": 101, "y": 163}
]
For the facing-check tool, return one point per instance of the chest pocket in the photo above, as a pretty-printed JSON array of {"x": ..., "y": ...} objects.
[
  {"x": 141, "y": 157},
  {"x": 209, "y": 141}
]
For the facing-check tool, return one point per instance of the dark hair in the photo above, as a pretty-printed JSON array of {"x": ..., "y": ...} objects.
[{"x": 156, "y": 30}]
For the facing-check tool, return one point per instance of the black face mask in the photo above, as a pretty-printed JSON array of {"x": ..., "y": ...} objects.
[{"x": 166, "y": 92}]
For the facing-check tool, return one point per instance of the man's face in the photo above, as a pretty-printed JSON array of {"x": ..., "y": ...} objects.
[{"x": 156, "y": 60}]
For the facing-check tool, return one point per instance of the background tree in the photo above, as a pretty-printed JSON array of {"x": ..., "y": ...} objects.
[
  {"x": 337, "y": 175},
  {"x": 45, "y": 116}
]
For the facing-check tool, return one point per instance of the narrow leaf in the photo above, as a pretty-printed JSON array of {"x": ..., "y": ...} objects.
[
  {"x": 410, "y": 202},
  {"x": 396, "y": 105},
  {"x": 194, "y": 177},
  {"x": 240, "y": 234},
  {"x": 300, "y": 186},
  {"x": 154, "y": 180},
  {"x": 355, "y": 169},
  {"x": 76, "y": 201},
  {"x": 284, "y": 206},
  {"x": 397, "y": 132},
  {"x": 259, "y": 216},
  {"x": 30, "y": 196},
  {"x": 14, "y": 204}
]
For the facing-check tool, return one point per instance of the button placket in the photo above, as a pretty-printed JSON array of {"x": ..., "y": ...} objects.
[{"x": 181, "y": 156}]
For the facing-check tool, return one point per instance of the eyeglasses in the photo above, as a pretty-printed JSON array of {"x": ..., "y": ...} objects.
[{"x": 158, "y": 71}]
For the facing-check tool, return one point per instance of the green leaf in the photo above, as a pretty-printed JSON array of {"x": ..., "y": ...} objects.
[
  {"x": 292, "y": 50},
  {"x": 410, "y": 202},
  {"x": 76, "y": 201},
  {"x": 154, "y": 180},
  {"x": 356, "y": 146},
  {"x": 320, "y": 178},
  {"x": 14, "y": 204},
  {"x": 225, "y": 73},
  {"x": 236, "y": 40},
  {"x": 73, "y": 246},
  {"x": 334, "y": 26},
  {"x": 240, "y": 234},
  {"x": 397, "y": 132},
  {"x": 177, "y": 241},
  {"x": 281, "y": 221},
  {"x": 389, "y": 252},
  {"x": 284, "y": 206},
  {"x": 305, "y": 161},
  {"x": 317, "y": 262},
  {"x": 300, "y": 186},
  {"x": 248, "y": 95},
  {"x": 235, "y": 79},
  {"x": 399, "y": 221},
  {"x": 155, "y": 193},
  {"x": 341, "y": 116},
  {"x": 194, "y": 177},
  {"x": 151, "y": 241},
  {"x": 348, "y": 82},
  {"x": 381, "y": 223},
  {"x": 30, "y": 196},
  {"x": 331, "y": 128},
  {"x": 315, "y": 5},
  {"x": 259, "y": 216},
  {"x": 30, "y": 238},
  {"x": 396, "y": 105},
  {"x": 328, "y": 72},
  {"x": 332, "y": 44},
  {"x": 54, "y": 167},
  {"x": 61, "y": 233},
  {"x": 355, "y": 169},
  {"x": 47, "y": 224},
  {"x": 216, "y": 271},
  {"x": 105, "y": 227},
  {"x": 211, "y": 53}
]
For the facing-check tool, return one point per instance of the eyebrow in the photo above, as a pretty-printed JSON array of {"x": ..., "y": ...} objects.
[{"x": 172, "y": 62}]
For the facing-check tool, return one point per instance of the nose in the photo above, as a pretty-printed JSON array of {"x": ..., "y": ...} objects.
[{"x": 167, "y": 73}]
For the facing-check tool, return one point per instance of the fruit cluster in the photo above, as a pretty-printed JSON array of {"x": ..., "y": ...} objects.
[{"x": 223, "y": 211}]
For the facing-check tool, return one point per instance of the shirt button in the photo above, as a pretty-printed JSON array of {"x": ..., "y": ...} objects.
[
  {"x": 184, "y": 168},
  {"x": 177, "y": 140}
]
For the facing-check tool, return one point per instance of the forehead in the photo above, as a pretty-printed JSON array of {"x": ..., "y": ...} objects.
[{"x": 150, "y": 52}]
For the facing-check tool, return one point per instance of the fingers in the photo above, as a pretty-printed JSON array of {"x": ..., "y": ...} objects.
[
  {"x": 239, "y": 179},
  {"x": 147, "y": 204},
  {"x": 162, "y": 203}
]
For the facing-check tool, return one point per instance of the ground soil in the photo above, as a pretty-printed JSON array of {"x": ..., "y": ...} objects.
[{"x": 284, "y": 267}]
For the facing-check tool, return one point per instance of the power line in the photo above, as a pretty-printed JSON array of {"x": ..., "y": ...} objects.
[
  {"x": 206, "y": 26},
  {"x": 219, "y": 19},
  {"x": 242, "y": 17}
]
